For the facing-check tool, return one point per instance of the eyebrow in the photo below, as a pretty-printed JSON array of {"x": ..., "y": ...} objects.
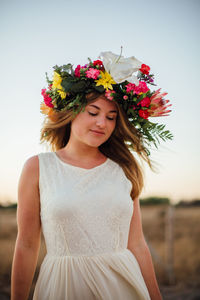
[{"x": 111, "y": 111}]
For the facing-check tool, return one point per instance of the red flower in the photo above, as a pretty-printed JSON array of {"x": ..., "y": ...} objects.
[
  {"x": 77, "y": 71},
  {"x": 98, "y": 62},
  {"x": 47, "y": 99},
  {"x": 144, "y": 69},
  {"x": 145, "y": 102},
  {"x": 143, "y": 114}
]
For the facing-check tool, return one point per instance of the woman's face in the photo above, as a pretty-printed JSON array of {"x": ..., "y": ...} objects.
[{"x": 95, "y": 125}]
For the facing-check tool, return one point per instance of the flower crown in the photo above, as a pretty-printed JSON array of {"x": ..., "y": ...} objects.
[{"x": 124, "y": 80}]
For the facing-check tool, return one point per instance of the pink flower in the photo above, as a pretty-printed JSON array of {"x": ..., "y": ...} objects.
[
  {"x": 109, "y": 95},
  {"x": 47, "y": 99},
  {"x": 141, "y": 88},
  {"x": 143, "y": 114},
  {"x": 145, "y": 102},
  {"x": 130, "y": 87},
  {"x": 77, "y": 71},
  {"x": 125, "y": 97},
  {"x": 137, "y": 89},
  {"x": 158, "y": 105},
  {"x": 92, "y": 73}
]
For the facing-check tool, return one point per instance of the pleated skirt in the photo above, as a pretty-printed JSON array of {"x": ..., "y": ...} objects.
[{"x": 110, "y": 276}]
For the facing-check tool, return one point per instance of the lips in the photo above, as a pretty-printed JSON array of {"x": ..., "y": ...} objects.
[{"x": 98, "y": 132}]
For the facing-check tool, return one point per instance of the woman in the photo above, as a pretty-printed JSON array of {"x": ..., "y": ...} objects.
[{"x": 84, "y": 195}]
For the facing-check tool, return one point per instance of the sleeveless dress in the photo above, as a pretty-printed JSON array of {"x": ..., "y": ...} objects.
[{"x": 85, "y": 219}]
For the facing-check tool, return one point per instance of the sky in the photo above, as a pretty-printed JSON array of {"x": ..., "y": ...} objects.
[{"x": 36, "y": 35}]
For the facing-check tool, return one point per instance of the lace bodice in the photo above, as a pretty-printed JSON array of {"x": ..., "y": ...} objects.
[{"x": 83, "y": 211}]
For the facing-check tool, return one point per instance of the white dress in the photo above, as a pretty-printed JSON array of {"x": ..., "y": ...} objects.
[{"x": 85, "y": 216}]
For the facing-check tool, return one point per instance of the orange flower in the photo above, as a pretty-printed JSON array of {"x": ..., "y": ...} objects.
[
  {"x": 48, "y": 111},
  {"x": 44, "y": 109}
]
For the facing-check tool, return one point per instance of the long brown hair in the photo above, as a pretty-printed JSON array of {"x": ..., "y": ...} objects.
[{"x": 124, "y": 140}]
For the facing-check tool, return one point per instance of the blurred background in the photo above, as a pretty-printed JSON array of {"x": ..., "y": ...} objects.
[{"x": 35, "y": 36}]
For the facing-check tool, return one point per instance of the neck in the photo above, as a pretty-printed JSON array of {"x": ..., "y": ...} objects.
[{"x": 82, "y": 151}]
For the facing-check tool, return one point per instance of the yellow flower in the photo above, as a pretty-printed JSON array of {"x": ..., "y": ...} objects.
[
  {"x": 106, "y": 80},
  {"x": 57, "y": 79},
  {"x": 62, "y": 94}
]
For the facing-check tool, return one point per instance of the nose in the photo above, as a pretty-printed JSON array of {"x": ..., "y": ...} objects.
[{"x": 101, "y": 121}]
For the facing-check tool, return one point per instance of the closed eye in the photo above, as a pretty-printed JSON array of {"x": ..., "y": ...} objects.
[
  {"x": 92, "y": 114},
  {"x": 95, "y": 114}
]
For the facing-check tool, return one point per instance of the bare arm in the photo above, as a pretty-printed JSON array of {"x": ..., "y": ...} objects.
[
  {"x": 138, "y": 246},
  {"x": 29, "y": 229}
]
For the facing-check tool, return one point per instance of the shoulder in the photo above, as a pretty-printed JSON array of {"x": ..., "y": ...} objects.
[
  {"x": 116, "y": 167},
  {"x": 114, "y": 164},
  {"x": 30, "y": 170},
  {"x": 118, "y": 171},
  {"x": 31, "y": 164},
  {"x": 45, "y": 157}
]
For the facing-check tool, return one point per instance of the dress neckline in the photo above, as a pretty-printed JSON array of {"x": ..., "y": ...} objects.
[{"x": 80, "y": 168}]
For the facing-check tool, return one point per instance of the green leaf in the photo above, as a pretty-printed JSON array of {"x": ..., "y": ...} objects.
[
  {"x": 57, "y": 69},
  {"x": 67, "y": 84},
  {"x": 79, "y": 86},
  {"x": 99, "y": 88},
  {"x": 71, "y": 86},
  {"x": 125, "y": 106},
  {"x": 67, "y": 67},
  {"x": 47, "y": 79}
]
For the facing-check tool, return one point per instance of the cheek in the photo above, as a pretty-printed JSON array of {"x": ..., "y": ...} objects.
[
  {"x": 112, "y": 127},
  {"x": 80, "y": 125},
  {"x": 76, "y": 126}
]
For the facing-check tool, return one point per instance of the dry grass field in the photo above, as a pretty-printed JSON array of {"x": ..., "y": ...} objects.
[{"x": 182, "y": 281}]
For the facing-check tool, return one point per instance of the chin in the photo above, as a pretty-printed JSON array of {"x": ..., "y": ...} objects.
[{"x": 96, "y": 143}]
